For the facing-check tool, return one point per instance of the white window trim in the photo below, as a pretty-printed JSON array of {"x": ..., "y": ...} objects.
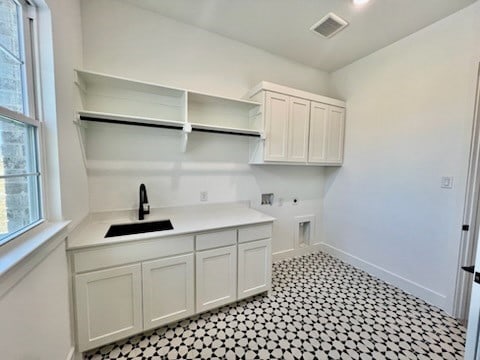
[
  {"x": 18, "y": 117},
  {"x": 28, "y": 250}
]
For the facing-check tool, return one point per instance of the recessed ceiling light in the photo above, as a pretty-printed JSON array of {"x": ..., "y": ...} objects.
[{"x": 360, "y": 2}]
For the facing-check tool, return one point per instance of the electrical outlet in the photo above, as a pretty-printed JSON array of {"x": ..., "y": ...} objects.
[{"x": 203, "y": 195}]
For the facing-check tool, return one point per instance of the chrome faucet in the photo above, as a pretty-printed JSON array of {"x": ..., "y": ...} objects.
[{"x": 144, "y": 207}]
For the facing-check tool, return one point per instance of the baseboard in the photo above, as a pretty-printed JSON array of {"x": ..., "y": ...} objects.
[
  {"x": 406, "y": 285},
  {"x": 70, "y": 354},
  {"x": 287, "y": 254}
]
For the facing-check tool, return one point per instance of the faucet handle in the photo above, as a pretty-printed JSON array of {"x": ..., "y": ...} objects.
[{"x": 146, "y": 208}]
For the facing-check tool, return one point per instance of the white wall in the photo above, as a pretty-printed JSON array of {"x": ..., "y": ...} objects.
[
  {"x": 67, "y": 47},
  {"x": 125, "y": 40},
  {"x": 128, "y": 41},
  {"x": 409, "y": 117},
  {"x": 35, "y": 313}
]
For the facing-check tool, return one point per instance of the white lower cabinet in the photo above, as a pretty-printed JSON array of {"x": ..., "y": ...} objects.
[
  {"x": 216, "y": 275},
  {"x": 168, "y": 290},
  {"x": 166, "y": 279},
  {"x": 254, "y": 267},
  {"x": 108, "y": 304}
]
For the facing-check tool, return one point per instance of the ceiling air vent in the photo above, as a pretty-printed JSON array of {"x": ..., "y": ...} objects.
[{"x": 329, "y": 25}]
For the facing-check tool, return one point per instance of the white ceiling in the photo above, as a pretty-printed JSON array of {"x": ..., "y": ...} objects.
[{"x": 282, "y": 26}]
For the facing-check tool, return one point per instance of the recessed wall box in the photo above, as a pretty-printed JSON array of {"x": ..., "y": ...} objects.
[{"x": 267, "y": 199}]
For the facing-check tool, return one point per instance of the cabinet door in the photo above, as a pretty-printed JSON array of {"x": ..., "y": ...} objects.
[
  {"x": 216, "y": 275},
  {"x": 168, "y": 292},
  {"x": 317, "y": 148},
  {"x": 276, "y": 126},
  {"x": 108, "y": 305},
  {"x": 254, "y": 267},
  {"x": 336, "y": 130},
  {"x": 299, "y": 115}
]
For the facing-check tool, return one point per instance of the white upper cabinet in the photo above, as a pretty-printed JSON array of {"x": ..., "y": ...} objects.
[
  {"x": 300, "y": 127},
  {"x": 276, "y": 127},
  {"x": 286, "y": 128},
  {"x": 317, "y": 151},
  {"x": 335, "y": 134},
  {"x": 327, "y": 132}
]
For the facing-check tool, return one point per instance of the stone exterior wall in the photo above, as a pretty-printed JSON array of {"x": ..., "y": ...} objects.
[
  {"x": 14, "y": 150},
  {"x": 10, "y": 68},
  {"x": 14, "y": 191}
]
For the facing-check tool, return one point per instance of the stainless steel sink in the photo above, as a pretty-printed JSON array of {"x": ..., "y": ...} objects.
[{"x": 138, "y": 228}]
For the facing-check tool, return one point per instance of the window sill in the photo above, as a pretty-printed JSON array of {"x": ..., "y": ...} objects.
[{"x": 21, "y": 255}]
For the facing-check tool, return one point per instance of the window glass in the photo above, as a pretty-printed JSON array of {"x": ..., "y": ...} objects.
[
  {"x": 11, "y": 91},
  {"x": 9, "y": 27},
  {"x": 11, "y": 57},
  {"x": 19, "y": 177}
]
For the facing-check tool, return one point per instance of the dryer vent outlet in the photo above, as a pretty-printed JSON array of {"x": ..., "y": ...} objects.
[{"x": 304, "y": 231}]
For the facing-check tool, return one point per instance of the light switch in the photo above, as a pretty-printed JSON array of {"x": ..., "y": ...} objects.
[{"x": 447, "y": 182}]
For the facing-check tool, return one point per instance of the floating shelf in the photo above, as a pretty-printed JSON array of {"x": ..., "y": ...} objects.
[
  {"x": 87, "y": 79},
  {"x": 118, "y": 100},
  {"x": 214, "y": 99},
  {"x": 92, "y": 116},
  {"x": 129, "y": 120},
  {"x": 225, "y": 130}
]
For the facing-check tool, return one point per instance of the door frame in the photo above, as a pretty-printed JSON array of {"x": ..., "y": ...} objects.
[{"x": 471, "y": 216}]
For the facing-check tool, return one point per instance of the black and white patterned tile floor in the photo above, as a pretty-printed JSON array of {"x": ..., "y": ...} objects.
[{"x": 320, "y": 308}]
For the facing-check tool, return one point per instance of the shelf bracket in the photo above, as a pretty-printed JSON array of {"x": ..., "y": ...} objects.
[
  {"x": 81, "y": 138},
  {"x": 257, "y": 144},
  {"x": 187, "y": 129}
]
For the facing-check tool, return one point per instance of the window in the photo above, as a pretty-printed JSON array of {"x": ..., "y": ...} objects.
[{"x": 20, "y": 195}]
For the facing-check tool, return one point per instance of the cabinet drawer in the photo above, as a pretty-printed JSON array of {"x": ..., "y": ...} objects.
[
  {"x": 135, "y": 251},
  {"x": 256, "y": 232},
  {"x": 216, "y": 239}
]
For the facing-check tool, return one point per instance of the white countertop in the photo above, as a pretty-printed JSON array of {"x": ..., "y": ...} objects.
[{"x": 187, "y": 219}]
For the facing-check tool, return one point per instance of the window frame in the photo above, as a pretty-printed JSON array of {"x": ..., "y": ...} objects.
[{"x": 31, "y": 97}]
